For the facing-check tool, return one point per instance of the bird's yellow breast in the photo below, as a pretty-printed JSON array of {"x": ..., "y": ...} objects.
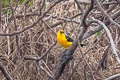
[{"x": 61, "y": 39}]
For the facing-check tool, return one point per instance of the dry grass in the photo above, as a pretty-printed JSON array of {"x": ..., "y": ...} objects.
[{"x": 38, "y": 39}]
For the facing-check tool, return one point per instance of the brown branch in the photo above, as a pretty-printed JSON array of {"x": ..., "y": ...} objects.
[
  {"x": 30, "y": 26},
  {"x": 66, "y": 19},
  {"x": 0, "y": 12},
  {"x": 88, "y": 2},
  {"x": 80, "y": 60},
  {"x": 93, "y": 77},
  {"x": 112, "y": 8},
  {"x": 27, "y": 15},
  {"x": 53, "y": 16},
  {"x": 108, "y": 17},
  {"x": 4, "y": 71},
  {"x": 118, "y": 1},
  {"x": 49, "y": 27},
  {"x": 41, "y": 57},
  {"x": 43, "y": 3},
  {"x": 79, "y": 7},
  {"x": 103, "y": 61},
  {"x": 114, "y": 77},
  {"x": 56, "y": 24},
  {"x": 15, "y": 25},
  {"x": 107, "y": 22},
  {"x": 67, "y": 54},
  {"x": 47, "y": 15}
]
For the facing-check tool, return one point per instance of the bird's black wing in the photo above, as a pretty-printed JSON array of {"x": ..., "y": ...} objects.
[
  {"x": 71, "y": 40},
  {"x": 68, "y": 38}
]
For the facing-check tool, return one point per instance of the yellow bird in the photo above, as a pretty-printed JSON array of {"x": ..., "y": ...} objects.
[{"x": 63, "y": 39}]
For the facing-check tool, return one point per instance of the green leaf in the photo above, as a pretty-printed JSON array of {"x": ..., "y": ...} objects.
[
  {"x": 99, "y": 33},
  {"x": 30, "y": 3},
  {"x": 5, "y": 3},
  {"x": 5, "y": 11},
  {"x": 21, "y": 1}
]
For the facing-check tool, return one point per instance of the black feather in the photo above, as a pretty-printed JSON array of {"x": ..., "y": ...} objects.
[
  {"x": 68, "y": 38},
  {"x": 71, "y": 40}
]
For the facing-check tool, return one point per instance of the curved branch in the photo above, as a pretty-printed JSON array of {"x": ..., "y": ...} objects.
[
  {"x": 113, "y": 77},
  {"x": 110, "y": 37},
  {"x": 30, "y": 26},
  {"x": 4, "y": 71},
  {"x": 86, "y": 14},
  {"x": 109, "y": 18},
  {"x": 107, "y": 22},
  {"x": 67, "y": 54},
  {"x": 118, "y": 1}
]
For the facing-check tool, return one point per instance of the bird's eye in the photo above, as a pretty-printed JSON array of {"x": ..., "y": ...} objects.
[{"x": 61, "y": 32}]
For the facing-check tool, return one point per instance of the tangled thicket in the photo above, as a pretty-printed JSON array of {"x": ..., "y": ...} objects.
[{"x": 28, "y": 49}]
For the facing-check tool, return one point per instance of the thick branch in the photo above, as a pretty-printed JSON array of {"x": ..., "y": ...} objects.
[
  {"x": 108, "y": 17},
  {"x": 118, "y": 1},
  {"x": 30, "y": 26},
  {"x": 110, "y": 37},
  {"x": 113, "y": 77},
  {"x": 67, "y": 54},
  {"x": 107, "y": 22}
]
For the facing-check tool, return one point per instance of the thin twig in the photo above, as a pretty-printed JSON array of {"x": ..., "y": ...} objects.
[
  {"x": 113, "y": 77},
  {"x": 118, "y": 1},
  {"x": 5, "y": 72},
  {"x": 109, "y": 18},
  {"x": 91, "y": 71},
  {"x": 107, "y": 22},
  {"x": 67, "y": 54},
  {"x": 110, "y": 37},
  {"x": 15, "y": 24},
  {"x": 30, "y": 26},
  {"x": 79, "y": 6},
  {"x": 0, "y": 12},
  {"x": 41, "y": 57}
]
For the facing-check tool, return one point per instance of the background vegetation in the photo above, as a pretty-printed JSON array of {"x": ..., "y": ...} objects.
[{"x": 28, "y": 48}]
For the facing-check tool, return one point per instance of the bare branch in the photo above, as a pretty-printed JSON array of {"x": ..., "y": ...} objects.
[
  {"x": 15, "y": 24},
  {"x": 118, "y": 1},
  {"x": 39, "y": 58},
  {"x": 79, "y": 7},
  {"x": 110, "y": 37},
  {"x": 109, "y": 18},
  {"x": 0, "y": 11},
  {"x": 103, "y": 61},
  {"x": 67, "y": 54},
  {"x": 4, "y": 71},
  {"x": 43, "y": 3},
  {"x": 86, "y": 62},
  {"x": 113, "y": 77},
  {"x": 30, "y": 26},
  {"x": 107, "y": 22}
]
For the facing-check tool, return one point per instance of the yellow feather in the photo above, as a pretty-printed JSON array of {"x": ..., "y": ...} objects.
[{"x": 62, "y": 40}]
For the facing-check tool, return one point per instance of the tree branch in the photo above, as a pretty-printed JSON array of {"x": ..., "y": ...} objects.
[
  {"x": 113, "y": 77},
  {"x": 4, "y": 71},
  {"x": 110, "y": 37},
  {"x": 108, "y": 17},
  {"x": 0, "y": 11},
  {"x": 107, "y": 22},
  {"x": 67, "y": 54},
  {"x": 30, "y": 26}
]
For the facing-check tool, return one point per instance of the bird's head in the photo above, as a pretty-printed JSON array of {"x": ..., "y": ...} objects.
[{"x": 61, "y": 31}]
